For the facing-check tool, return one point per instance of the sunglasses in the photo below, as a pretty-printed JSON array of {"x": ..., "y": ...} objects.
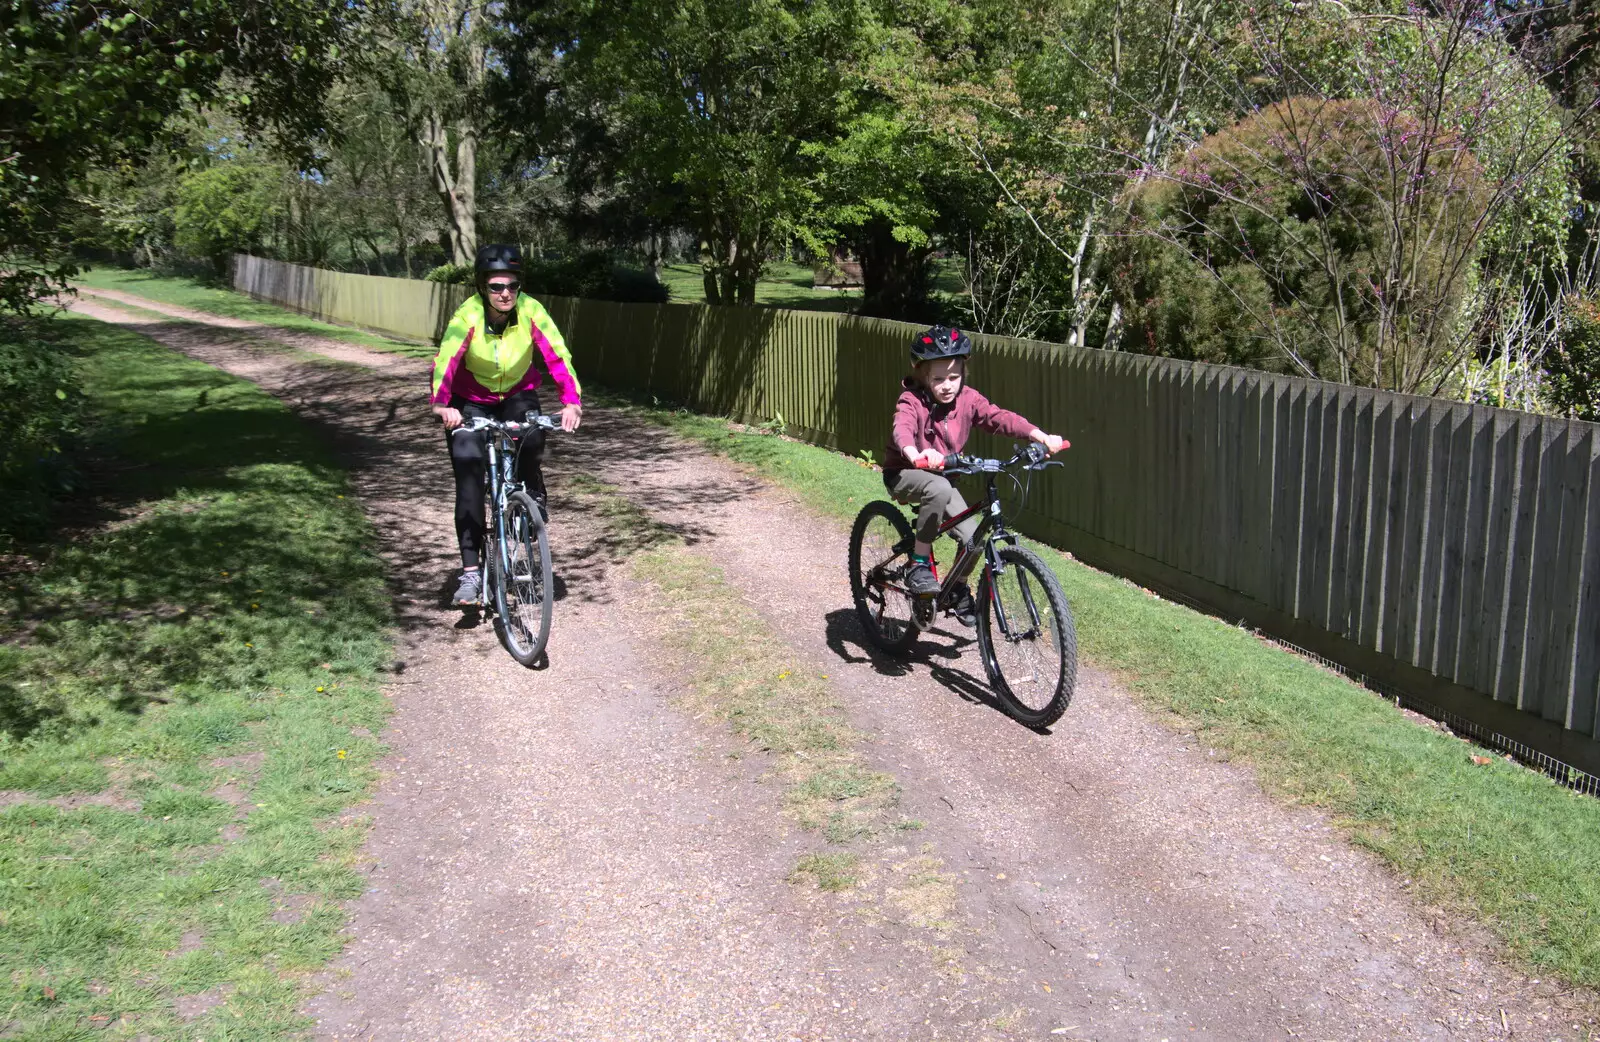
[{"x": 503, "y": 287}]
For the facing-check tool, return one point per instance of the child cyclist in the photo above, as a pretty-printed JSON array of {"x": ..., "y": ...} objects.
[{"x": 935, "y": 413}]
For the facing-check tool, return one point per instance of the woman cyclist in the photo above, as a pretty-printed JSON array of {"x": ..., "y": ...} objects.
[{"x": 493, "y": 357}]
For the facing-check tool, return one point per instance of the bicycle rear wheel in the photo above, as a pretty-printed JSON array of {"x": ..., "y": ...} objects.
[
  {"x": 524, "y": 586},
  {"x": 1027, "y": 639},
  {"x": 880, "y": 553}
]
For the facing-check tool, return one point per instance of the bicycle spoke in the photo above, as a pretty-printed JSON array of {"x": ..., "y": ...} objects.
[
  {"x": 1028, "y": 638},
  {"x": 525, "y": 603},
  {"x": 877, "y": 564}
]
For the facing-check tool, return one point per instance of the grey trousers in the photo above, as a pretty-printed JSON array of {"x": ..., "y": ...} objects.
[{"x": 935, "y": 498}]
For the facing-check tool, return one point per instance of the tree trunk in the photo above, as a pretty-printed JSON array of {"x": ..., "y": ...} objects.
[
  {"x": 894, "y": 274},
  {"x": 456, "y": 184}
]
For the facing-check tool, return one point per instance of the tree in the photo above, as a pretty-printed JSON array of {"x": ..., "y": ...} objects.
[
  {"x": 891, "y": 188},
  {"x": 229, "y": 207},
  {"x": 447, "y": 92},
  {"x": 375, "y": 177},
  {"x": 702, "y": 112},
  {"x": 93, "y": 85}
]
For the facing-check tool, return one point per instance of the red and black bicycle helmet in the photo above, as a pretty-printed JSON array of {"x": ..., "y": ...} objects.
[
  {"x": 940, "y": 342},
  {"x": 498, "y": 257}
]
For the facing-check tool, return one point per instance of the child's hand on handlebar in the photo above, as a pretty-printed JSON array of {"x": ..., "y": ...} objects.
[
  {"x": 929, "y": 459},
  {"x": 451, "y": 418},
  {"x": 571, "y": 416},
  {"x": 1053, "y": 442}
]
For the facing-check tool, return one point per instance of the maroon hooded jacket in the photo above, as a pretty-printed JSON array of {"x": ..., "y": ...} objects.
[{"x": 918, "y": 421}]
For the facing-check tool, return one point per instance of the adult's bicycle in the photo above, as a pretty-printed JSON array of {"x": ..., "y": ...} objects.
[
  {"x": 1026, "y": 637},
  {"x": 519, "y": 586}
]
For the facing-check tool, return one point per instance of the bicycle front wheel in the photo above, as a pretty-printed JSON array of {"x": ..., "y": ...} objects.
[
  {"x": 524, "y": 583},
  {"x": 1026, "y": 637},
  {"x": 880, "y": 553}
]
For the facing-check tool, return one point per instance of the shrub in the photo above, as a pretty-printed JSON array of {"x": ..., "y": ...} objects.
[
  {"x": 591, "y": 275},
  {"x": 1573, "y": 366},
  {"x": 40, "y": 407},
  {"x": 451, "y": 274},
  {"x": 1303, "y": 238},
  {"x": 227, "y": 208}
]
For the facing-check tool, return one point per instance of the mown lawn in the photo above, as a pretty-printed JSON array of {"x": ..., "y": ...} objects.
[
  {"x": 189, "y": 688},
  {"x": 785, "y": 285},
  {"x": 216, "y": 300}
]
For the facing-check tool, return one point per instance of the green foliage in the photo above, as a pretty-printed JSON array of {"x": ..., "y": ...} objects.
[
  {"x": 700, "y": 111},
  {"x": 451, "y": 274},
  {"x": 1572, "y": 369},
  {"x": 94, "y": 85},
  {"x": 592, "y": 275},
  {"x": 1274, "y": 244},
  {"x": 227, "y": 208},
  {"x": 40, "y": 409}
]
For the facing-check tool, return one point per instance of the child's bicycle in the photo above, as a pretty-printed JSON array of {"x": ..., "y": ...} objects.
[
  {"x": 1025, "y": 633},
  {"x": 518, "y": 584}
]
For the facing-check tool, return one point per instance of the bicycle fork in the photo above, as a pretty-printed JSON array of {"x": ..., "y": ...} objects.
[{"x": 495, "y": 542}]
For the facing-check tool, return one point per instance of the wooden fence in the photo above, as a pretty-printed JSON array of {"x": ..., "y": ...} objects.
[{"x": 1449, "y": 551}]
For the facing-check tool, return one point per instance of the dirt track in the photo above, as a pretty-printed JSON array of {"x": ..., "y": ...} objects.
[{"x": 564, "y": 854}]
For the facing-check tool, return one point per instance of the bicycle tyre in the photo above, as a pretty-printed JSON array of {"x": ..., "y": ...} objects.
[
  {"x": 524, "y": 583},
  {"x": 1017, "y": 596},
  {"x": 878, "y": 530}
]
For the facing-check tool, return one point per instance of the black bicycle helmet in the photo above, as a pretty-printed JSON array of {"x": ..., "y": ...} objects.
[
  {"x": 940, "y": 342},
  {"x": 498, "y": 257}
]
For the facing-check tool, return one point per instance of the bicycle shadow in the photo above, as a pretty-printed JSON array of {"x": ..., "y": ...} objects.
[{"x": 935, "y": 650}]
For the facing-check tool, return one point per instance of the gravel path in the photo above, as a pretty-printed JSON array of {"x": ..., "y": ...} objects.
[{"x": 565, "y": 854}]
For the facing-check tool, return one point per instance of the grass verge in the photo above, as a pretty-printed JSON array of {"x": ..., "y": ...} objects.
[
  {"x": 785, "y": 285},
  {"x": 189, "y": 688},
  {"x": 1490, "y": 840},
  {"x": 216, "y": 300}
]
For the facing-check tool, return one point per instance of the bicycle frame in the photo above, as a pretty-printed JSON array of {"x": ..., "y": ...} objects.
[
  {"x": 501, "y": 448},
  {"x": 991, "y": 531},
  {"x": 989, "y": 536}
]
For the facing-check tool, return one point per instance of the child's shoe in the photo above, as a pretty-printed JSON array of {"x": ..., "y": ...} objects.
[{"x": 920, "y": 579}]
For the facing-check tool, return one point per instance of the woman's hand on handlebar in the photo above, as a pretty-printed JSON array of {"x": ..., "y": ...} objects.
[
  {"x": 451, "y": 418},
  {"x": 571, "y": 416}
]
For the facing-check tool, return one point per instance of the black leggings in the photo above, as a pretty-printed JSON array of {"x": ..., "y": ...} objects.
[{"x": 468, "y": 457}]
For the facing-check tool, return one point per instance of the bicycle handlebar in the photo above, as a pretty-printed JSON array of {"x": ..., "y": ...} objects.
[
  {"x": 483, "y": 423},
  {"x": 1035, "y": 454}
]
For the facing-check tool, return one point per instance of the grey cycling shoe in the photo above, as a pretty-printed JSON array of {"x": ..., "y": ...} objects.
[
  {"x": 920, "y": 579},
  {"x": 469, "y": 591}
]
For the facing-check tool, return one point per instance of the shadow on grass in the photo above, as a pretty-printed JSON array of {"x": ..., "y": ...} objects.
[{"x": 212, "y": 550}]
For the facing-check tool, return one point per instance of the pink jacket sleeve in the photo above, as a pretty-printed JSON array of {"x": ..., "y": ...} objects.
[
  {"x": 995, "y": 420},
  {"x": 907, "y": 421}
]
